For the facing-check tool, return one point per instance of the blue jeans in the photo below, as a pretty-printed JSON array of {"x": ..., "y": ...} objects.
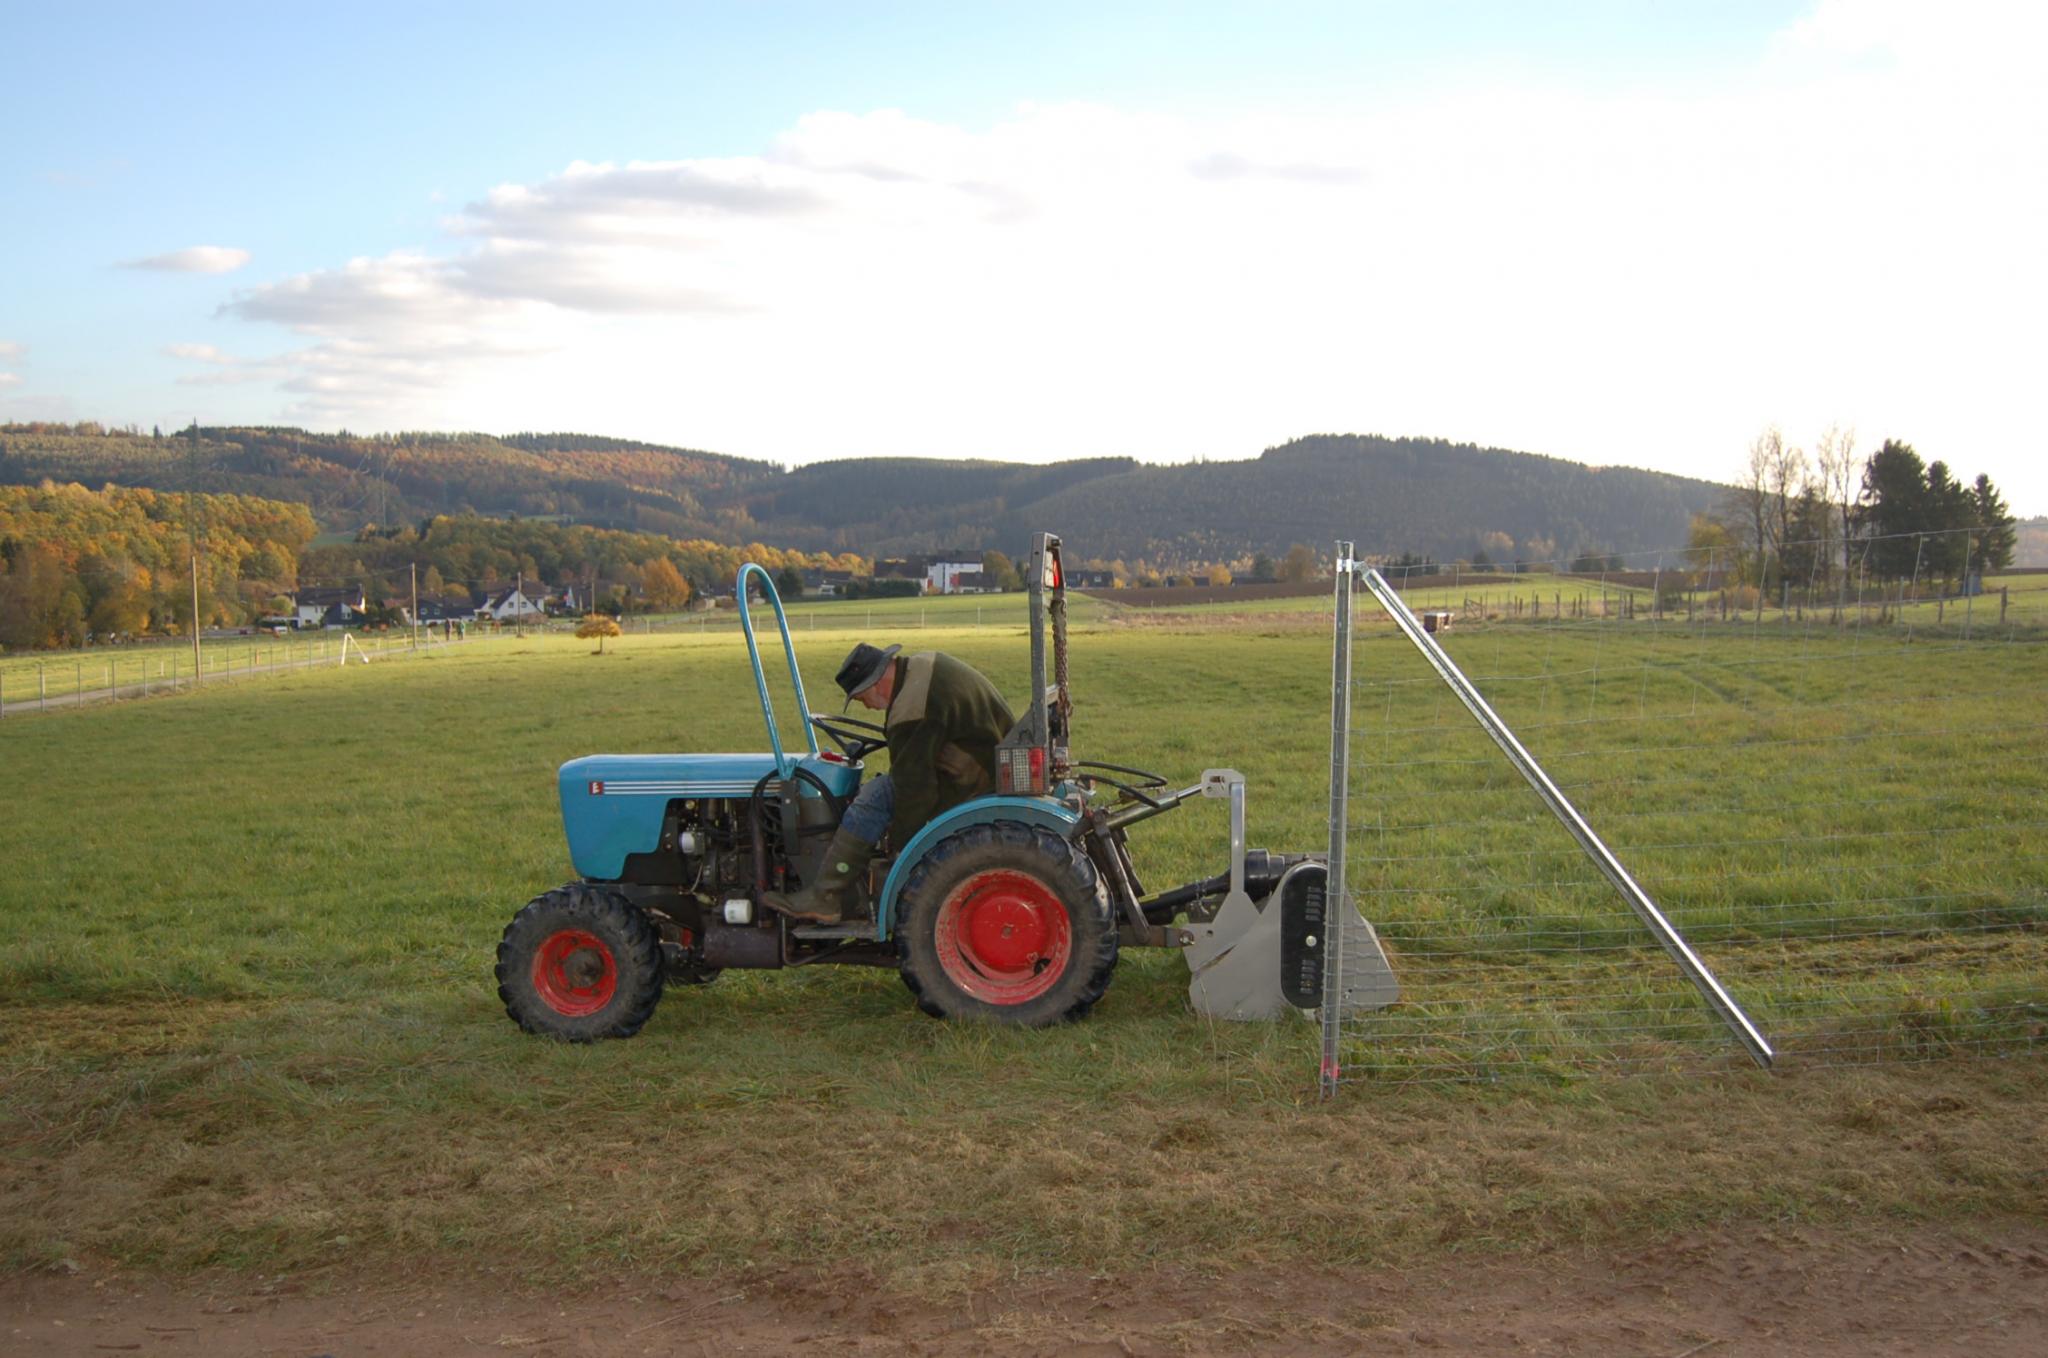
[{"x": 867, "y": 815}]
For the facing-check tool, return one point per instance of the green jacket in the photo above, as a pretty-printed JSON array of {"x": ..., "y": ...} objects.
[{"x": 944, "y": 722}]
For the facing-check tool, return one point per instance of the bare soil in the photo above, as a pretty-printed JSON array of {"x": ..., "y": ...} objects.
[{"x": 1922, "y": 1291}]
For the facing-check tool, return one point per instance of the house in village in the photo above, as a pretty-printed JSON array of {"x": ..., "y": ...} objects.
[
  {"x": 827, "y": 584},
  {"x": 513, "y": 605},
  {"x": 447, "y": 608},
  {"x": 329, "y": 607},
  {"x": 939, "y": 574},
  {"x": 901, "y": 568},
  {"x": 1079, "y": 579},
  {"x": 571, "y": 598},
  {"x": 943, "y": 573}
]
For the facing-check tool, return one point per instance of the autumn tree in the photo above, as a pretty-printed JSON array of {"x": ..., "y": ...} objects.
[
  {"x": 599, "y": 626},
  {"x": 1299, "y": 565},
  {"x": 663, "y": 586},
  {"x": 1001, "y": 572}
]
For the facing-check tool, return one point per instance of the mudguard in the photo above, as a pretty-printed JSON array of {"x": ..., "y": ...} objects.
[{"x": 1055, "y": 816}]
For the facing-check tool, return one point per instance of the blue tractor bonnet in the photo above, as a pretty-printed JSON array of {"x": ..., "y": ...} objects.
[{"x": 612, "y": 804}]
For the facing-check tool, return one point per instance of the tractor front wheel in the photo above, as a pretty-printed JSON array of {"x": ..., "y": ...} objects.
[
  {"x": 1009, "y": 923},
  {"x": 580, "y": 963}
]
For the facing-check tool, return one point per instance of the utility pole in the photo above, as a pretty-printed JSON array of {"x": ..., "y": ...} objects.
[
  {"x": 415, "y": 605},
  {"x": 192, "y": 539},
  {"x": 195, "y": 615},
  {"x": 519, "y": 605}
]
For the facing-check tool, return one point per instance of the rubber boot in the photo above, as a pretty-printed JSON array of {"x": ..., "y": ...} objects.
[{"x": 830, "y": 897}]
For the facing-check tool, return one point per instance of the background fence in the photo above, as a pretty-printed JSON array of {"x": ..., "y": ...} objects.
[
  {"x": 1837, "y": 797},
  {"x": 47, "y": 681},
  {"x": 107, "y": 674}
]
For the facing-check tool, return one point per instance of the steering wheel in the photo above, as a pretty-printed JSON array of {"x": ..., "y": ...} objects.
[{"x": 857, "y": 738}]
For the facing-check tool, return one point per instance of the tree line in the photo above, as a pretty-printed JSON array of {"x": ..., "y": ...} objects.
[
  {"x": 1832, "y": 517},
  {"x": 76, "y": 563},
  {"x": 619, "y": 571},
  {"x": 79, "y": 564}
]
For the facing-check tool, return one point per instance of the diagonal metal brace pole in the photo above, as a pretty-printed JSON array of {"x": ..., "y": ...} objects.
[{"x": 1638, "y": 900}]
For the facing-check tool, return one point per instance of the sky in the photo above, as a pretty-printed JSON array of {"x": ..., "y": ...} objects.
[{"x": 1623, "y": 233}]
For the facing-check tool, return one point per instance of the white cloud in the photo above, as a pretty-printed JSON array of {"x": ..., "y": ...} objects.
[
  {"x": 10, "y": 379},
  {"x": 12, "y": 349},
  {"x": 224, "y": 369},
  {"x": 194, "y": 259},
  {"x": 1846, "y": 232}
]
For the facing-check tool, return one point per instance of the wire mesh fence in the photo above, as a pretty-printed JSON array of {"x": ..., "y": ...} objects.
[
  {"x": 43, "y": 682},
  {"x": 110, "y": 674},
  {"x": 1840, "y": 807}
]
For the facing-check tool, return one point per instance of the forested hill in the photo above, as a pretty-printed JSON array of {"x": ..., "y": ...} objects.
[
  {"x": 350, "y": 481},
  {"x": 1388, "y": 495}
]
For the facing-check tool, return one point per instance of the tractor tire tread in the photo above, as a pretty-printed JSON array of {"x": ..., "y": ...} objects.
[
  {"x": 636, "y": 951},
  {"x": 1063, "y": 858}
]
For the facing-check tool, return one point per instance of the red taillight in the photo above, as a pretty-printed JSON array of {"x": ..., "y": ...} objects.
[{"x": 1021, "y": 772}]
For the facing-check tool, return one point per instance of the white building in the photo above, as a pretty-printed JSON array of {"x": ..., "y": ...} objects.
[
  {"x": 510, "y": 605},
  {"x": 942, "y": 574}
]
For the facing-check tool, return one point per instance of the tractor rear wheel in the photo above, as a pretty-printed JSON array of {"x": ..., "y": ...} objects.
[
  {"x": 580, "y": 963},
  {"x": 1009, "y": 923}
]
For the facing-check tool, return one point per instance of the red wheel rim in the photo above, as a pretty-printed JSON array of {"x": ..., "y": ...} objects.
[
  {"x": 1004, "y": 937},
  {"x": 574, "y": 973}
]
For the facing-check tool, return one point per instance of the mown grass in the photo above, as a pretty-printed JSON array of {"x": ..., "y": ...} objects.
[{"x": 248, "y": 1018}]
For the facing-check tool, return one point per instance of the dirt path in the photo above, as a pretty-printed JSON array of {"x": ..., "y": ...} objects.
[{"x": 1755, "y": 1293}]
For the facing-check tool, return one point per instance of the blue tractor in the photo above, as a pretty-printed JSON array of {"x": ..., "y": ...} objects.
[{"x": 1011, "y": 907}]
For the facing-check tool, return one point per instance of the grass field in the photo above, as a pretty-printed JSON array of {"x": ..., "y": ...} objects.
[
  {"x": 1848, "y": 822},
  {"x": 28, "y": 677},
  {"x": 249, "y": 1020}
]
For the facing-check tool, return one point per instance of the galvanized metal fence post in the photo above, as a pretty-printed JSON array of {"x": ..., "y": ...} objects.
[{"x": 1337, "y": 897}]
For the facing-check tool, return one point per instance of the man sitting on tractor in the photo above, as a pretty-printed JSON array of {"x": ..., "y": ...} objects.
[{"x": 944, "y": 720}]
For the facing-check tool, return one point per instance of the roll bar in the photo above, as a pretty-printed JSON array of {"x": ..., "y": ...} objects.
[{"x": 783, "y": 762}]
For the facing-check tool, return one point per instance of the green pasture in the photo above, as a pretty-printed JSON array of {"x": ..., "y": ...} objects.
[
  {"x": 247, "y": 1019},
  {"x": 29, "y": 678},
  {"x": 1545, "y": 597},
  {"x": 895, "y": 614}
]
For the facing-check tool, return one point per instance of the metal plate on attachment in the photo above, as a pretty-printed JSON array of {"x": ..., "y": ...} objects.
[{"x": 1303, "y": 937}]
